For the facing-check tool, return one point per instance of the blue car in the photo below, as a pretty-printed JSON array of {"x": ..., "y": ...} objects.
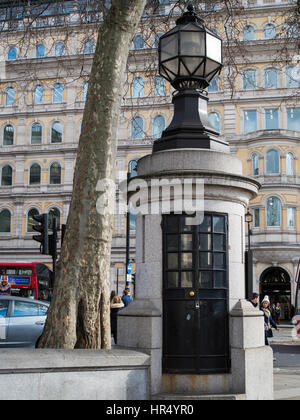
[{"x": 22, "y": 321}]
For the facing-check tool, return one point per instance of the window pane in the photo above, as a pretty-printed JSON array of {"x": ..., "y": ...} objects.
[
  {"x": 250, "y": 121},
  {"x": 270, "y": 78},
  {"x": 187, "y": 279},
  {"x": 12, "y": 53},
  {"x": 219, "y": 260},
  {"x": 6, "y": 176},
  {"x": 255, "y": 165},
  {"x": 57, "y": 93},
  {"x": 25, "y": 309},
  {"x": 35, "y": 174},
  {"x": 10, "y": 96},
  {"x": 272, "y": 119},
  {"x": 292, "y": 77},
  {"x": 289, "y": 164},
  {"x": 159, "y": 86},
  {"x": 137, "y": 87},
  {"x": 204, "y": 242},
  {"x": 158, "y": 126},
  {"x": 272, "y": 163},
  {"x": 205, "y": 226},
  {"x": 256, "y": 221},
  {"x": 8, "y": 135},
  {"x": 214, "y": 120},
  {"x": 54, "y": 213},
  {"x": 186, "y": 260},
  {"x": 219, "y": 242},
  {"x": 270, "y": 32},
  {"x": 40, "y": 51},
  {"x": 173, "y": 261},
  {"x": 220, "y": 279},
  {"x": 173, "y": 279},
  {"x": 205, "y": 259},
  {"x": 59, "y": 49},
  {"x": 172, "y": 242},
  {"x": 187, "y": 242},
  {"x": 219, "y": 224},
  {"x": 214, "y": 85},
  {"x": 137, "y": 128},
  {"x": 293, "y": 119},
  {"x": 88, "y": 47},
  {"x": 55, "y": 173},
  {"x": 30, "y": 221},
  {"x": 205, "y": 279},
  {"x": 249, "y": 80},
  {"x": 36, "y": 134},
  {"x": 138, "y": 42},
  {"x": 38, "y": 95},
  {"x": 249, "y": 33},
  {"x": 5, "y": 221},
  {"x": 291, "y": 217},
  {"x": 273, "y": 212},
  {"x": 56, "y": 133}
]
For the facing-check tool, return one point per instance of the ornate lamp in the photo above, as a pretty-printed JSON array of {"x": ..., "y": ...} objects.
[{"x": 190, "y": 56}]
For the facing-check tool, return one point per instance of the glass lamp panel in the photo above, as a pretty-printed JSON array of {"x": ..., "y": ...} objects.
[
  {"x": 211, "y": 66},
  {"x": 171, "y": 68},
  {"x": 190, "y": 66},
  {"x": 213, "y": 48},
  {"x": 169, "y": 47},
  {"x": 192, "y": 43}
]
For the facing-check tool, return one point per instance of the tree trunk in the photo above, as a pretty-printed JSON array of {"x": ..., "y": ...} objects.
[{"x": 79, "y": 314}]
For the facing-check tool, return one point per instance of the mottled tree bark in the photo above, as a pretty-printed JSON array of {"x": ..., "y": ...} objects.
[{"x": 79, "y": 314}]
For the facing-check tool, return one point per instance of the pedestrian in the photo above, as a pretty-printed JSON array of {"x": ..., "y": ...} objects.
[
  {"x": 4, "y": 286},
  {"x": 268, "y": 320},
  {"x": 43, "y": 295},
  {"x": 113, "y": 293},
  {"x": 277, "y": 311},
  {"x": 126, "y": 299},
  {"x": 254, "y": 300},
  {"x": 115, "y": 306}
]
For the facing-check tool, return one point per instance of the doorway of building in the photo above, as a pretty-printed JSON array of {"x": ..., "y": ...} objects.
[{"x": 276, "y": 283}]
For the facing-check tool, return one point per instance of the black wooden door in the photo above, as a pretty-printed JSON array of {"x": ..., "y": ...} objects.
[{"x": 195, "y": 315}]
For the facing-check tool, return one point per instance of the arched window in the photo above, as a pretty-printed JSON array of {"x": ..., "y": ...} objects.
[
  {"x": 40, "y": 51},
  {"x": 53, "y": 213},
  {"x": 214, "y": 120},
  {"x": 5, "y": 221},
  {"x": 6, "y": 176},
  {"x": 36, "y": 133},
  {"x": 35, "y": 174},
  {"x": 55, "y": 173},
  {"x": 137, "y": 128},
  {"x": 88, "y": 47},
  {"x": 272, "y": 120},
  {"x": 56, "y": 132},
  {"x": 270, "y": 78},
  {"x": 272, "y": 162},
  {"x": 38, "y": 94},
  {"x": 8, "y": 135},
  {"x": 9, "y": 96},
  {"x": 137, "y": 87},
  {"x": 250, "y": 121},
  {"x": 30, "y": 221},
  {"x": 255, "y": 164},
  {"x": 289, "y": 164},
  {"x": 273, "y": 211},
  {"x": 248, "y": 33},
  {"x": 214, "y": 85},
  {"x": 138, "y": 42},
  {"x": 133, "y": 168},
  {"x": 158, "y": 126},
  {"x": 57, "y": 94},
  {"x": 291, "y": 30},
  {"x": 159, "y": 86},
  {"x": 12, "y": 53},
  {"x": 59, "y": 49},
  {"x": 249, "y": 79},
  {"x": 84, "y": 90},
  {"x": 270, "y": 31},
  {"x": 292, "y": 77}
]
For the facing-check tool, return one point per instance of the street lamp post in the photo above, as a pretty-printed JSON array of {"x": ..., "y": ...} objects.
[
  {"x": 190, "y": 56},
  {"x": 249, "y": 259}
]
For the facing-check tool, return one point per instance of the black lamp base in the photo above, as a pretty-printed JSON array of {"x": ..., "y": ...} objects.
[{"x": 190, "y": 127}]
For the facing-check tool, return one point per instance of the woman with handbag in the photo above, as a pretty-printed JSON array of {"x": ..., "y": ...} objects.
[{"x": 269, "y": 322}]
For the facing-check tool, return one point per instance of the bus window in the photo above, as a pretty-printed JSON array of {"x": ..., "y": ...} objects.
[{"x": 43, "y": 277}]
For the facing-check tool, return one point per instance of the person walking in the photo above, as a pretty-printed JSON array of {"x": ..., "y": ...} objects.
[
  {"x": 115, "y": 306},
  {"x": 126, "y": 299},
  {"x": 277, "y": 312},
  {"x": 269, "y": 322}
]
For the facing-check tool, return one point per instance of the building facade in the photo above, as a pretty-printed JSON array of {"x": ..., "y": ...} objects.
[{"x": 253, "y": 104}]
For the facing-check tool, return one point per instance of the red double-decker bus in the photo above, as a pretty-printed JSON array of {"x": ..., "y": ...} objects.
[{"x": 27, "y": 279}]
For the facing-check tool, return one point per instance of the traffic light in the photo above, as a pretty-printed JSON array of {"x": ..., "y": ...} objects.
[{"x": 42, "y": 228}]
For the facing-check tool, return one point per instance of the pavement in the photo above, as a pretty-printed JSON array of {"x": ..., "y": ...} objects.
[{"x": 286, "y": 348}]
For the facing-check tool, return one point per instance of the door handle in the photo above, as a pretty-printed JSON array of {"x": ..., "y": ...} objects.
[
  {"x": 192, "y": 293},
  {"x": 40, "y": 323}
]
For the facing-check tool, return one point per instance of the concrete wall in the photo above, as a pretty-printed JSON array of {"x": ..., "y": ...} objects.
[{"x": 73, "y": 374}]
